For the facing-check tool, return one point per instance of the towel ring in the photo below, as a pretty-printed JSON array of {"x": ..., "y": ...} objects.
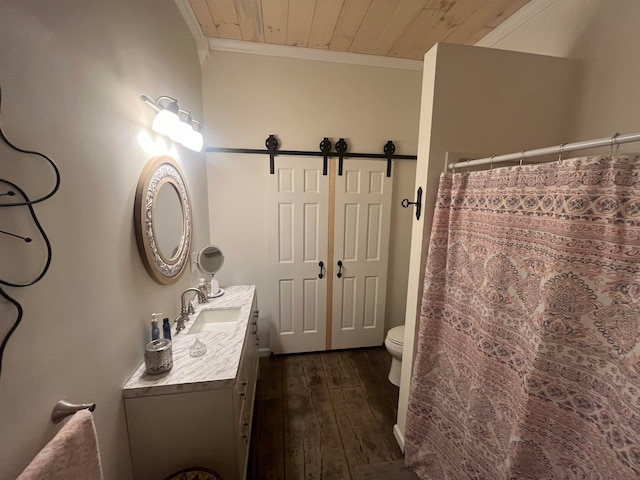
[{"x": 64, "y": 409}]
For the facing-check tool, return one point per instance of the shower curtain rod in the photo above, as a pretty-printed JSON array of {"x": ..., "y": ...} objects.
[{"x": 616, "y": 139}]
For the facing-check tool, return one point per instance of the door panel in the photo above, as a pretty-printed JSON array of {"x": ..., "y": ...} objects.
[
  {"x": 374, "y": 232},
  {"x": 361, "y": 238},
  {"x": 371, "y": 301},
  {"x": 350, "y": 231},
  {"x": 286, "y": 306},
  {"x": 286, "y": 226},
  {"x": 298, "y": 241}
]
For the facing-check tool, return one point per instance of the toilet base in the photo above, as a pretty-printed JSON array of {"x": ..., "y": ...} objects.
[{"x": 394, "y": 371}]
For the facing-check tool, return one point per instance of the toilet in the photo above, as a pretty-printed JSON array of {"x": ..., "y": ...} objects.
[{"x": 394, "y": 344}]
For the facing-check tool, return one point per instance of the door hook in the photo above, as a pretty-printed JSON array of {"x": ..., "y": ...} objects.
[
  {"x": 321, "y": 265},
  {"x": 418, "y": 203},
  {"x": 339, "y": 268}
]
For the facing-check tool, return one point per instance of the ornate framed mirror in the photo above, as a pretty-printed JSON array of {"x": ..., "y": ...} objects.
[{"x": 163, "y": 221}]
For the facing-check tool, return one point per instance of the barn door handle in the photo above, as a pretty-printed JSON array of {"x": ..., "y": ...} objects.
[
  {"x": 321, "y": 265},
  {"x": 339, "y": 268}
]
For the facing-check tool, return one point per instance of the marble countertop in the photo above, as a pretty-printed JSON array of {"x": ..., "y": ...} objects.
[{"x": 215, "y": 369}]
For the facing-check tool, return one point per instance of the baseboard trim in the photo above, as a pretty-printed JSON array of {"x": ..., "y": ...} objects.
[
  {"x": 264, "y": 352},
  {"x": 399, "y": 437}
]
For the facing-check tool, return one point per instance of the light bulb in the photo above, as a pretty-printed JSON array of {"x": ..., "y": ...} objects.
[
  {"x": 164, "y": 122},
  {"x": 194, "y": 140},
  {"x": 180, "y": 132}
]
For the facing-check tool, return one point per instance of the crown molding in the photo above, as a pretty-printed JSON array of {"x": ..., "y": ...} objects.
[
  {"x": 313, "y": 54},
  {"x": 515, "y": 21},
  {"x": 205, "y": 45}
]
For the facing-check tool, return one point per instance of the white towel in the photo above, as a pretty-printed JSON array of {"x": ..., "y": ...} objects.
[{"x": 71, "y": 454}]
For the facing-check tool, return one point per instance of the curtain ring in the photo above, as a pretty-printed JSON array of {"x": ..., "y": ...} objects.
[
  {"x": 468, "y": 162},
  {"x": 613, "y": 141},
  {"x": 521, "y": 157},
  {"x": 561, "y": 152},
  {"x": 491, "y": 162}
]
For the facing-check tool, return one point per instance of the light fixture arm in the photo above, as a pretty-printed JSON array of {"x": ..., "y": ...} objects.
[
  {"x": 157, "y": 106},
  {"x": 185, "y": 117}
]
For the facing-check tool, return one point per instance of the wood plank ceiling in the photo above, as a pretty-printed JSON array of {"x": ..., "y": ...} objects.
[{"x": 392, "y": 28}]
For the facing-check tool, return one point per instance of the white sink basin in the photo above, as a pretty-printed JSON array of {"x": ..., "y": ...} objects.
[{"x": 217, "y": 320}]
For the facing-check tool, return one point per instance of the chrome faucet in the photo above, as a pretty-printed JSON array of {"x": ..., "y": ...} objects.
[{"x": 187, "y": 309}]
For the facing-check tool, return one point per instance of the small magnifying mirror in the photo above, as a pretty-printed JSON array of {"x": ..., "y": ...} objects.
[{"x": 209, "y": 261}]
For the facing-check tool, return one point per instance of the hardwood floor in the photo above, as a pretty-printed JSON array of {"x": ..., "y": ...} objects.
[{"x": 321, "y": 415}]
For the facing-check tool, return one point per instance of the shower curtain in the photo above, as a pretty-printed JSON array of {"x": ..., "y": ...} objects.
[{"x": 528, "y": 358}]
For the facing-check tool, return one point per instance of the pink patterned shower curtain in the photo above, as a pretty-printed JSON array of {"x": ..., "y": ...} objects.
[{"x": 528, "y": 362}]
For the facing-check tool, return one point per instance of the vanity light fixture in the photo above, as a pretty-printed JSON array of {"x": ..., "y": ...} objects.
[
  {"x": 175, "y": 123},
  {"x": 194, "y": 140}
]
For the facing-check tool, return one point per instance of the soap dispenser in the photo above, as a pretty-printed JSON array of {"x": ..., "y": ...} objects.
[{"x": 155, "y": 330}]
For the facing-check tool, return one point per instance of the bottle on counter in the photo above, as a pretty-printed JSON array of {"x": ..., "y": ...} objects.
[
  {"x": 155, "y": 330},
  {"x": 166, "y": 329}
]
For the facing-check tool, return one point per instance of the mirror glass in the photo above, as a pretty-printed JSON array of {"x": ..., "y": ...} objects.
[
  {"x": 163, "y": 224},
  {"x": 210, "y": 259},
  {"x": 167, "y": 220}
]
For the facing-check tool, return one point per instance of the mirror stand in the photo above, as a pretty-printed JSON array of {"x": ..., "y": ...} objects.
[{"x": 209, "y": 261}]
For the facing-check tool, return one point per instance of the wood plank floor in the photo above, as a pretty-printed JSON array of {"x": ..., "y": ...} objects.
[{"x": 321, "y": 415}]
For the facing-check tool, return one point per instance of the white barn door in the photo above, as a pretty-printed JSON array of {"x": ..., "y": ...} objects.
[
  {"x": 298, "y": 206},
  {"x": 306, "y": 225},
  {"x": 361, "y": 244}
]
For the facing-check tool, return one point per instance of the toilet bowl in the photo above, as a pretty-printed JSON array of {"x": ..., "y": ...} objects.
[{"x": 394, "y": 344}]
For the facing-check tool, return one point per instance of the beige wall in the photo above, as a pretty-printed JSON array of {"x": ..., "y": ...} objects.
[
  {"x": 603, "y": 35},
  {"x": 247, "y": 97},
  {"x": 71, "y": 76}
]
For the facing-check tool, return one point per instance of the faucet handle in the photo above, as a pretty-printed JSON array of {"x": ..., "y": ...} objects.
[
  {"x": 179, "y": 321},
  {"x": 202, "y": 286},
  {"x": 204, "y": 297},
  {"x": 190, "y": 309}
]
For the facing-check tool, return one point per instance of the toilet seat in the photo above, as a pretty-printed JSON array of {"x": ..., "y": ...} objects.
[
  {"x": 394, "y": 343},
  {"x": 396, "y": 336}
]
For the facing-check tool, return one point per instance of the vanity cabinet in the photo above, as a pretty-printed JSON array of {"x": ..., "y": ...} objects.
[{"x": 206, "y": 424}]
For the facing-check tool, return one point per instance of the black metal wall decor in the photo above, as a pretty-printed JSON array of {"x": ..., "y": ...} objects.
[
  {"x": 11, "y": 191},
  {"x": 418, "y": 203},
  {"x": 341, "y": 152}
]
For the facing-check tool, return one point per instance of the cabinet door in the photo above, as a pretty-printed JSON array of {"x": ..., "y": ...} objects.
[
  {"x": 298, "y": 205},
  {"x": 245, "y": 393},
  {"x": 361, "y": 244},
  {"x": 170, "y": 432}
]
